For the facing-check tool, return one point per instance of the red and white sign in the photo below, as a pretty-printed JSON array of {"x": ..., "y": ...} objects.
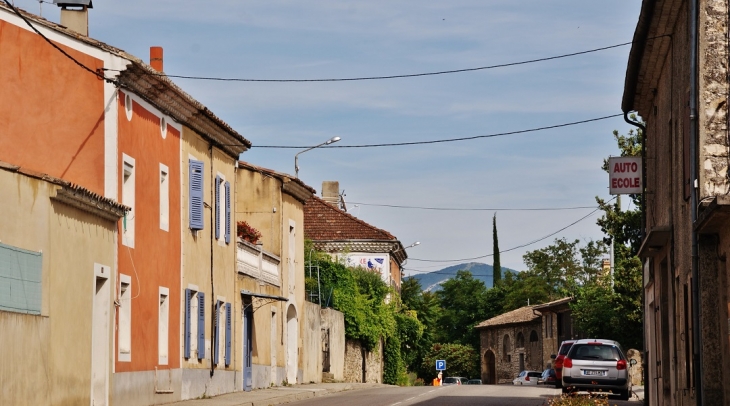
[{"x": 624, "y": 175}]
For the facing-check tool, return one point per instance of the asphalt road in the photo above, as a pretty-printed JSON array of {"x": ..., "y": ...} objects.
[{"x": 467, "y": 395}]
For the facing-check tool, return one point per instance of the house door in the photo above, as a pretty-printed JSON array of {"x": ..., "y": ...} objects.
[
  {"x": 489, "y": 375},
  {"x": 100, "y": 337},
  {"x": 247, "y": 344}
]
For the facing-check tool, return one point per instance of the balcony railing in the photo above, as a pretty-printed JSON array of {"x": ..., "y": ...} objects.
[{"x": 253, "y": 261}]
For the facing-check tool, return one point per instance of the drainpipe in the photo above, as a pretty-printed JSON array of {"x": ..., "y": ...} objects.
[
  {"x": 213, "y": 301},
  {"x": 647, "y": 384},
  {"x": 693, "y": 136}
]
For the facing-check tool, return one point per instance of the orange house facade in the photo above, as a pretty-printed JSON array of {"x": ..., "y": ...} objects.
[{"x": 116, "y": 128}]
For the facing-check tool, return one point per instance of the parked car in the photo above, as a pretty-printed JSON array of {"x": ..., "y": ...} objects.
[
  {"x": 527, "y": 378},
  {"x": 548, "y": 377},
  {"x": 454, "y": 380},
  {"x": 558, "y": 363},
  {"x": 474, "y": 382},
  {"x": 597, "y": 365}
]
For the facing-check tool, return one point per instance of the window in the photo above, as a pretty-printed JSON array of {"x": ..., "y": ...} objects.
[
  {"x": 222, "y": 209},
  {"x": 533, "y": 336},
  {"x": 164, "y": 198},
  {"x": 191, "y": 322},
  {"x": 221, "y": 328},
  {"x": 201, "y": 325},
  {"x": 20, "y": 280},
  {"x": 520, "y": 340},
  {"x": 163, "y": 326},
  {"x": 229, "y": 336},
  {"x": 125, "y": 318},
  {"x": 505, "y": 347},
  {"x": 195, "y": 194},
  {"x": 128, "y": 191}
]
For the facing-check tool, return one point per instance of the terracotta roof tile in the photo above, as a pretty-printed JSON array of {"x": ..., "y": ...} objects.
[
  {"x": 324, "y": 222},
  {"x": 521, "y": 315}
]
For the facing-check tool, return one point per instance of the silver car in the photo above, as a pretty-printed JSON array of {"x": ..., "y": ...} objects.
[{"x": 596, "y": 365}]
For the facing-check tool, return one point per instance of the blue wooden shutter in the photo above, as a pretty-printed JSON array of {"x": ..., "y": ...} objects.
[
  {"x": 216, "y": 333},
  {"x": 187, "y": 337},
  {"x": 228, "y": 334},
  {"x": 196, "y": 170},
  {"x": 228, "y": 212},
  {"x": 217, "y": 207},
  {"x": 201, "y": 325}
]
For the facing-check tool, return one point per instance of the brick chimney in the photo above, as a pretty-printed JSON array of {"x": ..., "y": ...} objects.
[
  {"x": 156, "y": 58},
  {"x": 331, "y": 192}
]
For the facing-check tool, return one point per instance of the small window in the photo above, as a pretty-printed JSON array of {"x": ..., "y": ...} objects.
[
  {"x": 128, "y": 106},
  {"x": 163, "y": 127},
  {"x": 125, "y": 319},
  {"x": 128, "y": 199},
  {"x": 164, "y": 198},
  {"x": 190, "y": 338},
  {"x": 20, "y": 280},
  {"x": 163, "y": 342}
]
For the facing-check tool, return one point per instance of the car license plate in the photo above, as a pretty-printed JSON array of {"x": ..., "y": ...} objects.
[{"x": 593, "y": 372}]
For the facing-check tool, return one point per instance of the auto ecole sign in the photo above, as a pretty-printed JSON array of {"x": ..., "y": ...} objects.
[{"x": 624, "y": 175}]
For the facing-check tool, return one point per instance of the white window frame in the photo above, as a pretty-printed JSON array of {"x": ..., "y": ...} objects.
[
  {"x": 163, "y": 326},
  {"x": 221, "y": 333},
  {"x": 124, "y": 341},
  {"x": 164, "y": 197},
  {"x": 128, "y": 199},
  {"x": 193, "y": 323},
  {"x": 221, "y": 209}
]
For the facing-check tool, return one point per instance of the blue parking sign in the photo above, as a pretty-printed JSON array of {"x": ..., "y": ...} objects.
[{"x": 441, "y": 365}]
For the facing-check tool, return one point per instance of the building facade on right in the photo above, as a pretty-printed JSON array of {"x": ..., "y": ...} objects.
[{"x": 677, "y": 82}]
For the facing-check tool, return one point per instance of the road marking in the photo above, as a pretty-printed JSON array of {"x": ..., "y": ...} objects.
[{"x": 411, "y": 398}]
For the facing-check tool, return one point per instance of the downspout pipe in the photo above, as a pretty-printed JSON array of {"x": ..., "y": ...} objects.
[
  {"x": 693, "y": 137},
  {"x": 213, "y": 301},
  {"x": 642, "y": 127}
]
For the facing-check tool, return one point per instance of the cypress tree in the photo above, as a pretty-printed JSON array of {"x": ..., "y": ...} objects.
[{"x": 496, "y": 265}]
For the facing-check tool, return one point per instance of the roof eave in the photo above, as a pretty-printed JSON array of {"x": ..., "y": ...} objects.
[{"x": 636, "y": 55}]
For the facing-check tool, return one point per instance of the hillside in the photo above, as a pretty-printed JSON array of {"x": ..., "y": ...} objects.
[{"x": 432, "y": 281}]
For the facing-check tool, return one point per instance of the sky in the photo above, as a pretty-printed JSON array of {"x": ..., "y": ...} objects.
[{"x": 321, "y": 39}]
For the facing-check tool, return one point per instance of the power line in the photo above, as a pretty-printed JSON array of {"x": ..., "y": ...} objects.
[
  {"x": 395, "y": 206},
  {"x": 59, "y": 49},
  {"x": 411, "y": 75},
  {"x": 513, "y": 248},
  {"x": 399, "y": 144}
]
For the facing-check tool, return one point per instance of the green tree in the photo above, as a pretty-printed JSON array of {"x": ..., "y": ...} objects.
[
  {"x": 461, "y": 360},
  {"x": 496, "y": 265},
  {"x": 462, "y": 301}
]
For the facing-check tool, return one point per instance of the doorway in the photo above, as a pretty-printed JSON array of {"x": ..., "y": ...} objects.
[
  {"x": 292, "y": 350},
  {"x": 100, "y": 337},
  {"x": 489, "y": 374},
  {"x": 247, "y": 343}
]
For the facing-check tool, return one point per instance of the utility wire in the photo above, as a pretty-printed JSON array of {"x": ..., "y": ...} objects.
[
  {"x": 59, "y": 49},
  {"x": 513, "y": 248},
  {"x": 412, "y": 75},
  {"x": 473, "y": 209},
  {"x": 400, "y": 144}
]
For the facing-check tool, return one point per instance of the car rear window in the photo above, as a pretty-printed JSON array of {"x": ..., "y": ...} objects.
[
  {"x": 449, "y": 380},
  {"x": 534, "y": 374},
  {"x": 595, "y": 352},
  {"x": 565, "y": 348}
]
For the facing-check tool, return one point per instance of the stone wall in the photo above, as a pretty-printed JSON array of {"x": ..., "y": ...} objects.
[
  {"x": 362, "y": 365},
  {"x": 503, "y": 342},
  {"x": 311, "y": 351},
  {"x": 333, "y": 340}
]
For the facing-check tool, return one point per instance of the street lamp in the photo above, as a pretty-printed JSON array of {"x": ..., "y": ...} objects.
[
  {"x": 296, "y": 157},
  {"x": 413, "y": 245}
]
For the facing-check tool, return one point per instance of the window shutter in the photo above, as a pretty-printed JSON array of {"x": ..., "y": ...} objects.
[
  {"x": 228, "y": 212},
  {"x": 228, "y": 334},
  {"x": 187, "y": 337},
  {"x": 201, "y": 325},
  {"x": 217, "y": 207},
  {"x": 216, "y": 333},
  {"x": 196, "y": 170}
]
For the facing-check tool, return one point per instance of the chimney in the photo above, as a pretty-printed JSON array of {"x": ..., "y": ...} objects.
[
  {"x": 331, "y": 192},
  {"x": 156, "y": 58},
  {"x": 75, "y": 15}
]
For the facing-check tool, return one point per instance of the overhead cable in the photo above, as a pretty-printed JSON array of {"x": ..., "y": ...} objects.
[
  {"x": 395, "y": 206},
  {"x": 400, "y": 144},
  {"x": 513, "y": 248}
]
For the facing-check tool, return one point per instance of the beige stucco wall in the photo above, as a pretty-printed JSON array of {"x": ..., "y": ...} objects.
[
  {"x": 311, "y": 352},
  {"x": 334, "y": 321},
  {"x": 49, "y": 356},
  {"x": 196, "y": 264}
]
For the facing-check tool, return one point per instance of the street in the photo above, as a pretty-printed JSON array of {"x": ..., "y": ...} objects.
[{"x": 497, "y": 395}]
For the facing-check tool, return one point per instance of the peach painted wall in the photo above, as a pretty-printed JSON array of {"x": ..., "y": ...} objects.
[
  {"x": 155, "y": 259},
  {"x": 51, "y": 110}
]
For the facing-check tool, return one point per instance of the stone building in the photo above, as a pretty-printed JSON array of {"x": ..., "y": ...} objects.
[
  {"x": 677, "y": 82},
  {"x": 523, "y": 339}
]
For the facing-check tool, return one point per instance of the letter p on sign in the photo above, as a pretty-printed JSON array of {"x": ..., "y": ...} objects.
[{"x": 624, "y": 175}]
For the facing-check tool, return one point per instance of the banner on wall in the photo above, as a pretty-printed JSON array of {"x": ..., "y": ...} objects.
[{"x": 371, "y": 262}]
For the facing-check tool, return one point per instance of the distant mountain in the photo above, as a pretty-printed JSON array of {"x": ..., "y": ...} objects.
[{"x": 432, "y": 281}]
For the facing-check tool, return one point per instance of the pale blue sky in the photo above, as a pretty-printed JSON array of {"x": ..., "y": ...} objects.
[{"x": 334, "y": 39}]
